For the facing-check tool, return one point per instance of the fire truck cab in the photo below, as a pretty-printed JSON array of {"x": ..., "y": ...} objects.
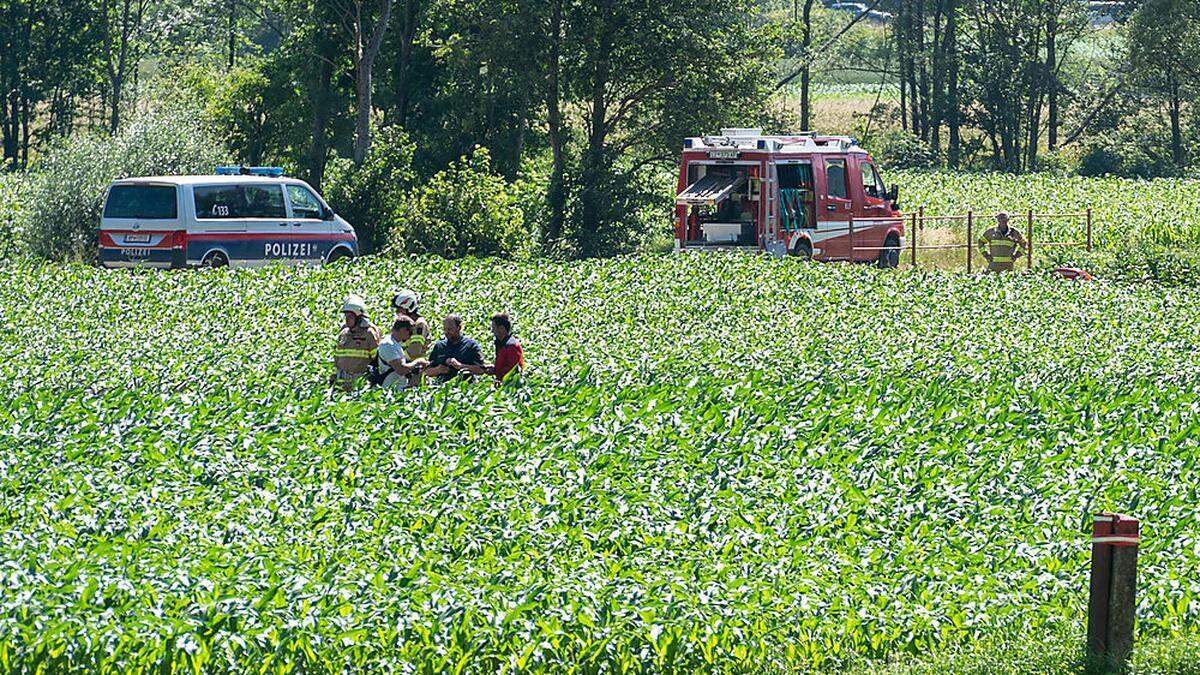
[{"x": 813, "y": 196}]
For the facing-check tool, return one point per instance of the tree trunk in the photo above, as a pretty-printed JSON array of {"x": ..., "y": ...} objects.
[
  {"x": 319, "y": 150},
  {"x": 404, "y": 60},
  {"x": 556, "y": 194},
  {"x": 952, "y": 102},
  {"x": 902, "y": 63},
  {"x": 25, "y": 132},
  {"x": 365, "y": 51},
  {"x": 923, "y": 70},
  {"x": 938, "y": 94},
  {"x": 595, "y": 169},
  {"x": 1052, "y": 80},
  {"x": 806, "y": 69},
  {"x": 1176, "y": 104},
  {"x": 514, "y": 167},
  {"x": 232, "y": 28},
  {"x": 362, "y": 117}
]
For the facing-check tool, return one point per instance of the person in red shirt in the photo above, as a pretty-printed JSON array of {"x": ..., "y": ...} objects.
[{"x": 510, "y": 357}]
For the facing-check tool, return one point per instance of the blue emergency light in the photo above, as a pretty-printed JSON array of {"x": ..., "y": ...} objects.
[{"x": 266, "y": 171}]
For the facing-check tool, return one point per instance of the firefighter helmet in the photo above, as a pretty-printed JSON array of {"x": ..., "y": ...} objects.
[
  {"x": 354, "y": 304},
  {"x": 405, "y": 300}
]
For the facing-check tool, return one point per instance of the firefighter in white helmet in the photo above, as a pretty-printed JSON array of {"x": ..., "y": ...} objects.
[
  {"x": 405, "y": 304},
  {"x": 356, "y": 344}
]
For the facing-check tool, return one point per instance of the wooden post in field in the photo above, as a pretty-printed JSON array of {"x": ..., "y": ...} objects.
[
  {"x": 1029, "y": 253},
  {"x": 1112, "y": 595},
  {"x": 1089, "y": 230},
  {"x": 912, "y": 235},
  {"x": 970, "y": 239}
]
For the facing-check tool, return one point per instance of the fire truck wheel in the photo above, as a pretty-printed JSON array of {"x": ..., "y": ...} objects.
[
  {"x": 889, "y": 257},
  {"x": 802, "y": 250}
]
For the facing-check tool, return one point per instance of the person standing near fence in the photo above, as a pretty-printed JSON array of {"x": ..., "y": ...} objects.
[{"x": 1001, "y": 245}]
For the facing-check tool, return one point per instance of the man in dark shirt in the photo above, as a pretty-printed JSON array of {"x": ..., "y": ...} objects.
[{"x": 454, "y": 354}]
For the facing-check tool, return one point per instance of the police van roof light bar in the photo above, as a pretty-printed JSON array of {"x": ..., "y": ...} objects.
[{"x": 267, "y": 171}]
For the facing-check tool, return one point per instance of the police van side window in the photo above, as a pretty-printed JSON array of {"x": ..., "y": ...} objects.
[
  {"x": 218, "y": 201},
  {"x": 264, "y": 201},
  {"x": 304, "y": 203},
  {"x": 215, "y": 202}
]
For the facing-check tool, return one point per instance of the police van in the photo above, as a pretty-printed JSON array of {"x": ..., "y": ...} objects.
[{"x": 238, "y": 216}]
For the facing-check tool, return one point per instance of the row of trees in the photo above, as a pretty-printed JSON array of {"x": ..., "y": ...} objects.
[
  {"x": 590, "y": 95},
  {"x": 1008, "y": 80},
  {"x": 602, "y": 89}
]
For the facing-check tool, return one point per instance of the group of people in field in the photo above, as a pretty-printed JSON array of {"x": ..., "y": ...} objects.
[{"x": 403, "y": 358}]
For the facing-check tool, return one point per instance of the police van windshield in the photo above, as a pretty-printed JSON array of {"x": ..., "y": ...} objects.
[{"x": 144, "y": 202}]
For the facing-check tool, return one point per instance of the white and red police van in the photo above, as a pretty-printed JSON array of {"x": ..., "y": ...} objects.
[
  {"x": 239, "y": 216},
  {"x": 795, "y": 194}
]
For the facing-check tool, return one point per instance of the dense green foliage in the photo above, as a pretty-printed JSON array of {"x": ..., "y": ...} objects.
[
  {"x": 371, "y": 196},
  {"x": 717, "y": 463},
  {"x": 66, "y": 193},
  {"x": 466, "y": 209},
  {"x": 12, "y": 234}
]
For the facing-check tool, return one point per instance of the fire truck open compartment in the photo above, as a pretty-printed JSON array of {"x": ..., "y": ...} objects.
[
  {"x": 797, "y": 203},
  {"x": 723, "y": 204}
]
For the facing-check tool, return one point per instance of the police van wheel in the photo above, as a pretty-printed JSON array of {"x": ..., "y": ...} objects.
[
  {"x": 802, "y": 250},
  {"x": 889, "y": 257},
  {"x": 216, "y": 259},
  {"x": 338, "y": 254}
]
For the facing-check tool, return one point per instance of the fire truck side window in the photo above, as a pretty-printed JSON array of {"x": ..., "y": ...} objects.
[
  {"x": 835, "y": 178},
  {"x": 872, "y": 183}
]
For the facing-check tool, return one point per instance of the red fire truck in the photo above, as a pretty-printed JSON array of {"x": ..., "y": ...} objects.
[{"x": 813, "y": 196}]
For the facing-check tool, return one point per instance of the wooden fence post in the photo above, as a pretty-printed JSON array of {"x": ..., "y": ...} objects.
[
  {"x": 1029, "y": 253},
  {"x": 1112, "y": 596},
  {"x": 970, "y": 239}
]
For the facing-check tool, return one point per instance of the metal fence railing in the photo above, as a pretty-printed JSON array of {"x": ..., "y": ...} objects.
[{"x": 917, "y": 222}]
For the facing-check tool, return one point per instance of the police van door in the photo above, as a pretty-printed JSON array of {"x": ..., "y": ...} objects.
[
  {"x": 219, "y": 234},
  {"x": 271, "y": 237},
  {"x": 308, "y": 224}
]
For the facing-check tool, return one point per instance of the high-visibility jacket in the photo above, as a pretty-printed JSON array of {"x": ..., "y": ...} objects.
[
  {"x": 355, "y": 352},
  {"x": 1003, "y": 249},
  {"x": 417, "y": 346}
]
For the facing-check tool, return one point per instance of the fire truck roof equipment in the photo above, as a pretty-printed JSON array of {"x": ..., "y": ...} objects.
[{"x": 732, "y": 141}]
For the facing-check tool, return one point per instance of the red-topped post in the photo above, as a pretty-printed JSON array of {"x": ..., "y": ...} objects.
[{"x": 1113, "y": 597}]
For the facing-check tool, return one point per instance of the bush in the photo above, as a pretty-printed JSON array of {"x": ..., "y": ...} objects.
[
  {"x": 371, "y": 197},
  {"x": 67, "y": 188},
  {"x": 12, "y": 236},
  {"x": 1139, "y": 148},
  {"x": 897, "y": 149},
  {"x": 464, "y": 210}
]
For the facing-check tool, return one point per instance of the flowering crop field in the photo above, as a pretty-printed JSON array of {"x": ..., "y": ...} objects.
[{"x": 717, "y": 463}]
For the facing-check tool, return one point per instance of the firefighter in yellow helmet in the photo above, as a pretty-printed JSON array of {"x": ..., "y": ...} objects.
[
  {"x": 356, "y": 345},
  {"x": 1001, "y": 245}
]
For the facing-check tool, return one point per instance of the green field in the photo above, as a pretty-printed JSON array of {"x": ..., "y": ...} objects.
[
  {"x": 718, "y": 463},
  {"x": 1126, "y": 212}
]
